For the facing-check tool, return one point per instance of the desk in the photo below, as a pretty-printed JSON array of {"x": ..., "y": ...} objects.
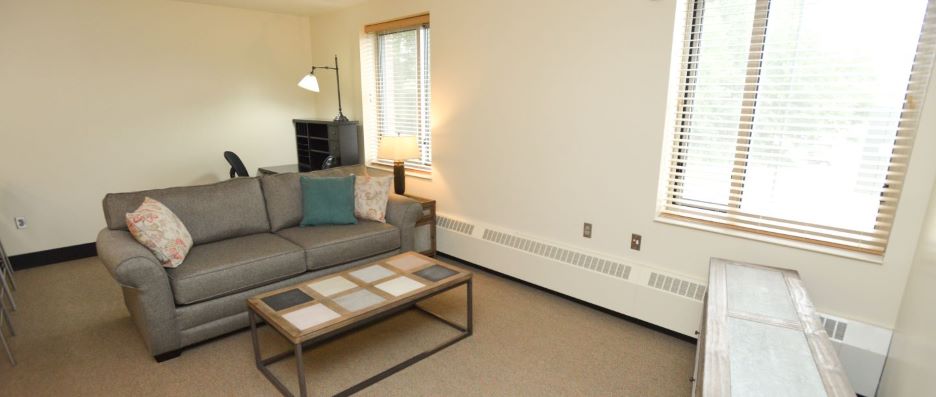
[
  {"x": 278, "y": 169},
  {"x": 287, "y": 168}
]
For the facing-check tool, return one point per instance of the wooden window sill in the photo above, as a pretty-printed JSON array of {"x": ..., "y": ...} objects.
[
  {"x": 427, "y": 175},
  {"x": 860, "y": 256}
]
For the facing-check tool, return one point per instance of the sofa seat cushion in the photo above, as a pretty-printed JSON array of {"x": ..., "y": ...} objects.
[
  {"x": 330, "y": 245},
  {"x": 224, "y": 267}
]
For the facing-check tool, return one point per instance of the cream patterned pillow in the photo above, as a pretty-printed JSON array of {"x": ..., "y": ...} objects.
[
  {"x": 156, "y": 227},
  {"x": 370, "y": 197}
]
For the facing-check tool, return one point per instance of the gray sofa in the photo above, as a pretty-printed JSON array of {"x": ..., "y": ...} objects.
[{"x": 247, "y": 240}]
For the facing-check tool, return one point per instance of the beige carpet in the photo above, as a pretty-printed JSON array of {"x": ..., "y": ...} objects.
[{"x": 75, "y": 338}]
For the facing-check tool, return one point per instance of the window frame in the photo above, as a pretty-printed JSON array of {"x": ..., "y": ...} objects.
[
  {"x": 423, "y": 166},
  {"x": 676, "y": 145}
]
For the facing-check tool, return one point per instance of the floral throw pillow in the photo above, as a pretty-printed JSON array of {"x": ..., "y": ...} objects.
[
  {"x": 157, "y": 228},
  {"x": 370, "y": 197}
]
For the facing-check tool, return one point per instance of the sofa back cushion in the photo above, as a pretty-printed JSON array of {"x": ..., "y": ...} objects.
[
  {"x": 210, "y": 212},
  {"x": 283, "y": 200},
  {"x": 284, "y": 196}
]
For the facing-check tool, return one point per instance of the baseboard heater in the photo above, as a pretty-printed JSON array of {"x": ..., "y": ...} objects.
[{"x": 643, "y": 291}]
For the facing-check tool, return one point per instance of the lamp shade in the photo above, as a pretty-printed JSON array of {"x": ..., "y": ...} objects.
[
  {"x": 398, "y": 148},
  {"x": 309, "y": 82}
]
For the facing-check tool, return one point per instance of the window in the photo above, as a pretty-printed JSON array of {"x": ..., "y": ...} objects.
[
  {"x": 399, "y": 95},
  {"x": 795, "y": 118}
]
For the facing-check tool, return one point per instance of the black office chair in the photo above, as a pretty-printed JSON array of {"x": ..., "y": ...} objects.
[
  {"x": 328, "y": 162},
  {"x": 237, "y": 166}
]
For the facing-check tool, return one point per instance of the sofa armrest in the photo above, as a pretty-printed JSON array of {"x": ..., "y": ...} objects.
[
  {"x": 146, "y": 289},
  {"x": 128, "y": 261},
  {"x": 403, "y": 212}
]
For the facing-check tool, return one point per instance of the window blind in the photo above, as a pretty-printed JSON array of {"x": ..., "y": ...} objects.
[
  {"x": 796, "y": 118},
  {"x": 399, "y": 96}
]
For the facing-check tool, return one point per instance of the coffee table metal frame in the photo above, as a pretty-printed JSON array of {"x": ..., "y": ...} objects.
[{"x": 264, "y": 363}]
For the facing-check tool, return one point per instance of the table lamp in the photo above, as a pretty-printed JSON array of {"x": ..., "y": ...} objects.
[{"x": 398, "y": 148}]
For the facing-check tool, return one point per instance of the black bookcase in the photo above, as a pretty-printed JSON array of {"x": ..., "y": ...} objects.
[{"x": 316, "y": 140}]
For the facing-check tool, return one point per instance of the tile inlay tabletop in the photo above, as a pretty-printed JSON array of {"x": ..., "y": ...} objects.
[{"x": 335, "y": 303}]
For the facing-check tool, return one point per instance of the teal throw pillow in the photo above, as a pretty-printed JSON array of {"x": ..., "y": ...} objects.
[{"x": 327, "y": 201}]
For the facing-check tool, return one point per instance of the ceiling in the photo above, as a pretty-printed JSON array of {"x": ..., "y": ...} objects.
[{"x": 297, "y": 7}]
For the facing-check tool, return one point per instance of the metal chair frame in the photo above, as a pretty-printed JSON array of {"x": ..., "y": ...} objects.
[
  {"x": 7, "y": 266},
  {"x": 7, "y": 286},
  {"x": 5, "y": 318}
]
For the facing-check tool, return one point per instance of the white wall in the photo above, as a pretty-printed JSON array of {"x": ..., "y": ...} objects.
[
  {"x": 550, "y": 114},
  {"x": 104, "y": 96},
  {"x": 911, "y": 363}
]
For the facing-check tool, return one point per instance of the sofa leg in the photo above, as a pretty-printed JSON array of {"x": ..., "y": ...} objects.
[{"x": 168, "y": 355}]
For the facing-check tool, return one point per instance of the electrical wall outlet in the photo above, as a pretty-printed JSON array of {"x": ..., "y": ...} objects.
[
  {"x": 635, "y": 242},
  {"x": 20, "y": 222},
  {"x": 586, "y": 230}
]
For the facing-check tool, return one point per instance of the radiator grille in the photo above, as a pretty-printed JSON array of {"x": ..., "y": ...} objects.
[
  {"x": 835, "y": 328},
  {"x": 454, "y": 225},
  {"x": 677, "y": 286},
  {"x": 571, "y": 257}
]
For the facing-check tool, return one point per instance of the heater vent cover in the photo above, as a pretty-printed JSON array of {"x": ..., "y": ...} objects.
[
  {"x": 676, "y": 286},
  {"x": 835, "y": 328},
  {"x": 571, "y": 257},
  {"x": 454, "y": 225}
]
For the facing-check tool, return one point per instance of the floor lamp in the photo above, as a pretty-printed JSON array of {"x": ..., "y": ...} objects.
[{"x": 310, "y": 82}]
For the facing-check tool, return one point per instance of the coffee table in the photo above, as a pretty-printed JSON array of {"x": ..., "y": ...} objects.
[{"x": 322, "y": 308}]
